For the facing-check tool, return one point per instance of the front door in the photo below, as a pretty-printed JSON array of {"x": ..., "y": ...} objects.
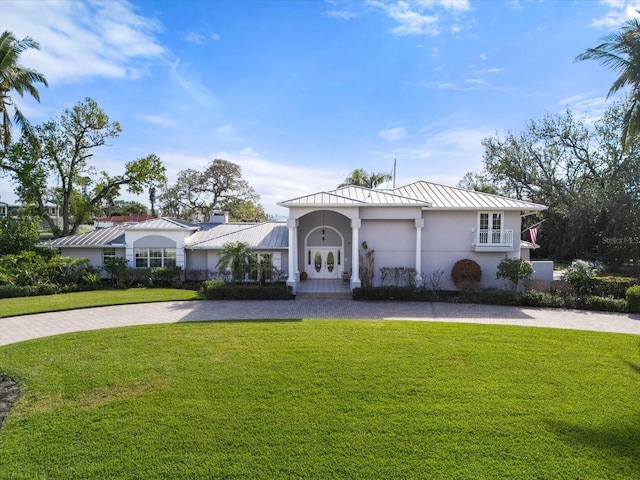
[{"x": 323, "y": 262}]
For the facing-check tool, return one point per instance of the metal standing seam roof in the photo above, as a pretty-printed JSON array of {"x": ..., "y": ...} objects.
[
  {"x": 267, "y": 235},
  {"x": 353, "y": 195},
  {"x": 163, "y": 224},
  {"x": 445, "y": 197},
  {"x": 105, "y": 237}
]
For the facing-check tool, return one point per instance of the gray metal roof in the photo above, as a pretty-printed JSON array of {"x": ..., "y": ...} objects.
[
  {"x": 445, "y": 197},
  {"x": 104, "y": 237},
  {"x": 352, "y": 195},
  {"x": 267, "y": 235},
  {"x": 163, "y": 224}
]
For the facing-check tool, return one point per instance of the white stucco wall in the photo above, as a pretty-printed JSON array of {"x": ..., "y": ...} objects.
[{"x": 448, "y": 236}]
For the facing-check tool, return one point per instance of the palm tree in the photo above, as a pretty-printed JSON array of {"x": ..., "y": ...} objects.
[
  {"x": 15, "y": 77},
  {"x": 360, "y": 178},
  {"x": 239, "y": 257},
  {"x": 621, "y": 52}
]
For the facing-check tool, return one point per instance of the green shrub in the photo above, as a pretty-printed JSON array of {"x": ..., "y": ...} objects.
[
  {"x": 633, "y": 299},
  {"x": 615, "y": 287},
  {"x": 165, "y": 276},
  {"x": 220, "y": 290},
  {"x": 580, "y": 275},
  {"x": 515, "y": 270},
  {"x": 605, "y": 304},
  {"x": 466, "y": 275}
]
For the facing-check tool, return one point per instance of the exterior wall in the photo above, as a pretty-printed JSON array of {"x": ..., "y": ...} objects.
[
  {"x": 394, "y": 242},
  {"x": 208, "y": 259},
  {"x": 447, "y": 237},
  {"x": 94, "y": 255}
]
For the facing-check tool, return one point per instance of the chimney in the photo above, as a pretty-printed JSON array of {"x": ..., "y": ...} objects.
[{"x": 219, "y": 216}]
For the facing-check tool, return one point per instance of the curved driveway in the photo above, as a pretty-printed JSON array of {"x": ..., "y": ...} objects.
[{"x": 16, "y": 329}]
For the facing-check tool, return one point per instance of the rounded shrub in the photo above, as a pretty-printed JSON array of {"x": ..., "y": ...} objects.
[
  {"x": 466, "y": 274},
  {"x": 633, "y": 299}
]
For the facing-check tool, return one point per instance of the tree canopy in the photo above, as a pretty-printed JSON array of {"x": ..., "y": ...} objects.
[
  {"x": 620, "y": 52},
  {"x": 220, "y": 186},
  {"x": 361, "y": 178},
  {"x": 53, "y": 167},
  {"x": 15, "y": 78},
  {"x": 590, "y": 183}
]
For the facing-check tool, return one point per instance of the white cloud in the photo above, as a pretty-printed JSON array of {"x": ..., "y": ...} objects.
[
  {"x": 189, "y": 80},
  {"x": 214, "y": 36},
  {"x": 82, "y": 40},
  {"x": 412, "y": 16},
  {"x": 342, "y": 14},
  {"x": 194, "y": 37},
  {"x": 159, "y": 120},
  {"x": 394, "y": 134},
  {"x": 590, "y": 107},
  {"x": 621, "y": 11}
]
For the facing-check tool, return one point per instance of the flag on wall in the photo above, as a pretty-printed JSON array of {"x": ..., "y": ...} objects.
[{"x": 533, "y": 233}]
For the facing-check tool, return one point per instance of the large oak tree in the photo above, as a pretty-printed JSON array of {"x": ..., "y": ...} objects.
[{"x": 54, "y": 167}]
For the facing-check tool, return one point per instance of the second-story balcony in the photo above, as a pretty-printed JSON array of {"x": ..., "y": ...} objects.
[{"x": 492, "y": 241}]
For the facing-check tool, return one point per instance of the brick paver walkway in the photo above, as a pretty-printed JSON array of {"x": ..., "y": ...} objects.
[{"x": 16, "y": 329}]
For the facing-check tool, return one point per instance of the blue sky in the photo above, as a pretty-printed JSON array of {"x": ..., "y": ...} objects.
[{"x": 299, "y": 93}]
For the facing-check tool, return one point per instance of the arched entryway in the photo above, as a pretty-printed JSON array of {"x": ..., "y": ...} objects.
[{"x": 324, "y": 253}]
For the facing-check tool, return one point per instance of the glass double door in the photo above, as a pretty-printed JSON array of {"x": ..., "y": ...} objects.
[{"x": 323, "y": 262}]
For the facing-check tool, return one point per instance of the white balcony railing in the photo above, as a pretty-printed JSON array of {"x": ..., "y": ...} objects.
[{"x": 493, "y": 239}]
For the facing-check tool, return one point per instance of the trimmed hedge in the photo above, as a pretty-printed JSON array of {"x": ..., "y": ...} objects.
[
  {"x": 15, "y": 291},
  {"x": 615, "y": 287},
  {"x": 497, "y": 297},
  {"x": 221, "y": 290},
  {"x": 633, "y": 299}
]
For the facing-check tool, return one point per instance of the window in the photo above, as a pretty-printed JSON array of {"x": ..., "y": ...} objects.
[
  {"x": 3, "y": 210},
  {"x": 265, "y": 271},
  {"x": 108, "y": 253},
  {"x": 490, "y": 227},
  {"x": 155, "y": 257}
]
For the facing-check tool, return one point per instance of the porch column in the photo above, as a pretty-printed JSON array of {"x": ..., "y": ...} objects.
[
  {"x": 419, "y": 223},
  {"x": 355, "y": 253},
  {"x": 292, "y": 225}
]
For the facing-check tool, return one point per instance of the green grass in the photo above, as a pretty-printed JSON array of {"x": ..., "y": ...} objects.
[
  {"x": 96, "y": 298},
  {"x": 324, "y": 399}
]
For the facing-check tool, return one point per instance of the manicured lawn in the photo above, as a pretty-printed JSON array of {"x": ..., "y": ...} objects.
[
  {"x": 96, "y": 298},
  {"x": 324, "y": 399}
]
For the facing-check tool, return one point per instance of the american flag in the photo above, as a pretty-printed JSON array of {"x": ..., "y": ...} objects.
[{"x": 533, "y": 233}]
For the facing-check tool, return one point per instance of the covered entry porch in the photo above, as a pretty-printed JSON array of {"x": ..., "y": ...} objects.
[{"x": 323, "y": 288}]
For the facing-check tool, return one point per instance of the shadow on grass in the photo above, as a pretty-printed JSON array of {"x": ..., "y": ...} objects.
[{"x": 615, "y": 440}]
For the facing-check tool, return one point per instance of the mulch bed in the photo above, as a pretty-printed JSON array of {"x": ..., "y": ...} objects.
[{"x": 9, "y": 394}]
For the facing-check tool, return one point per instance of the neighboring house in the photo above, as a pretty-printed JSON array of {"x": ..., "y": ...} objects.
[
  {"x": 423, "y": 225},
  {"x": 12, "y": 206}
]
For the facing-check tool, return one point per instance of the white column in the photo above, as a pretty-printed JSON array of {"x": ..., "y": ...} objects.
[
  {"x": 419, "y": 223},
  {"x": 355, "y": 253},
  {"x": 292, "y": 223}
]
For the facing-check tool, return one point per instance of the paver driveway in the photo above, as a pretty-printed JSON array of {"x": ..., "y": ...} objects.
[{"x": 16, "y": 329}]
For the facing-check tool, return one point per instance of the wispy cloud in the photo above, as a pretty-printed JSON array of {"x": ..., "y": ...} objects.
[
  {"x": 394, "y": 134},
  {"x": 83, "y": 40},
  {"x": 163, "y": 120},
  {"x": 342, "y": 14},
  {"x": 194, "y": 37},
  {"x": 420, "y": 17},
  {"x": 189, "y": 80}
]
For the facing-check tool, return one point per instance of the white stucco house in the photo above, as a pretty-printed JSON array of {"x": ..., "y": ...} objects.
[{"x": 423, "y": 225}]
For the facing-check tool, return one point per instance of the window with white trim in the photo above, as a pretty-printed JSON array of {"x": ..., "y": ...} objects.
[
  {"x": 3, "y": 211},
  {"x": 155, "y": 257},
  {"x": 265, "y": 262},
  {"x": 108, "y": 253}
]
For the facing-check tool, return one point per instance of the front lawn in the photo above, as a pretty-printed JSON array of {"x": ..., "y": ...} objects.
[
  {"x": 95, "y": 298},
  {"x": 323, "y": 399}
]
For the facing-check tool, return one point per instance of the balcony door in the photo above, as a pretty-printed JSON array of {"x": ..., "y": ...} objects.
[{"x": 490, "y": 228}]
